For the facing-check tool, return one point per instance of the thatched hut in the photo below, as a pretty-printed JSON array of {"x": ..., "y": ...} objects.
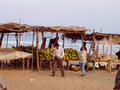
[
  {"x": 99, "y": 37},
  {"x": 21, "y": 28}
]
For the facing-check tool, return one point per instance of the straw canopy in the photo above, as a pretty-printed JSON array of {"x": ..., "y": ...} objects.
[
  {"x": 98, "y": 36},
  {"x": 10, "y": 54},
  {"x": 14, "y": 27}
]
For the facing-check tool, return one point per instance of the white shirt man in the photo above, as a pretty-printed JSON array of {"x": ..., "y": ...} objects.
[
  {"x": 83, "y": 56},
  {"x": 59, "y": 52}
]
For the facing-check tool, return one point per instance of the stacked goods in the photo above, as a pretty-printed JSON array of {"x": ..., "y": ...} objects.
[
  {"x": 24, "y": 48},
  {"x": 75, "y": 68},
  {"x": 103, "y": 57},
  {"x": 47, "y": 54},
  {"x": 71, "y": 54}
]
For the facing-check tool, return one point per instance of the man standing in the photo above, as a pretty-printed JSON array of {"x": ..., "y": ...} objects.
[
  {"x": 58, "y": 54},
  {"x": 83, "y": 57},
  {"x": 117, "y": 81}
]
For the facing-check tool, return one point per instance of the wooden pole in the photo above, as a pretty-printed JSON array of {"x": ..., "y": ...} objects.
[
  {"x": 33, "y": 50},
  {"x": 111, "y": 45},
  {"x": 7, "y": 40},
  {"x": 57, "y": 34},
  {"x": 63, "y": 41},
  {"x": 1, "y": 39},
  {"x": 28, "y": 63},
  {"x": 103, "y": 48},
  {"x": 23, "y": 63},
  {"x": 98, "y": 48},
  {"x": 93, "y": 37},
  {"x": 42, "y": 36},
  {"x": 37, "y": 51},
  {"x": 82, "y": 35},
  {"x": 17, "y": 40}
]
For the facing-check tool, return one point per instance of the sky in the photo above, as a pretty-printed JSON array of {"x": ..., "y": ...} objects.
[{"x": 93, "y": 14}]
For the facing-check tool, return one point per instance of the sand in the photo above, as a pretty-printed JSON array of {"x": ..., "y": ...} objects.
[{"x": 33, "y": 80}]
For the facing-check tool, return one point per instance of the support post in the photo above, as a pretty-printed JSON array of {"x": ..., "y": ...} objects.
[
  {"x": 1, "y": 39},
  {"x": 28, "y": 63},
  {"x": 37, "y": 51},
  {"x": 110, "y": 45},
  {"x": 7, "y": 40},
  {"x": 17, "y": 40},
  {"x": 63, "y": 41},
  {"x": 23, "y": 62},
  {"x": 42, "y": 36},
  {"x": 32, "y": 51},
  {"x": 57, "y": 34},
  {"x": 103, "y": 48}
]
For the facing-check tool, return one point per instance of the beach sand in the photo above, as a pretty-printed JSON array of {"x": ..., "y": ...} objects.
[{"x": 34, "y": 80}]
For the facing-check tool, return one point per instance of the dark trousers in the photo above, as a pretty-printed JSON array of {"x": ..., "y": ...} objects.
[{"x": 60, "y": 65}]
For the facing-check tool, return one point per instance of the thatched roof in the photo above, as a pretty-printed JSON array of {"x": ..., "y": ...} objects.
[
  {"x": 10, "y": 54},
  {"x": 98, "y": 36},
  {"x": 14, "y": 27}
]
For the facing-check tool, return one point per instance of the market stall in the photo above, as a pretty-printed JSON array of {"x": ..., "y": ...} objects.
[
  {"x": 94, "y": 56},
  {"x": 104, "y": 58},
  {"x": 11, "y": 55},
  {"x": 18, "y": 29}
]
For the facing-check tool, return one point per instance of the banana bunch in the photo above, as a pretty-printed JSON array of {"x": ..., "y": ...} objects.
[
  {"x": 71, "y": 54},
  {"x": 47, "y": 54}
]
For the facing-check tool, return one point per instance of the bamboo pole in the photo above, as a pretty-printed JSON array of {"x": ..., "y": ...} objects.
[
  {"x": 42, "y": 36},
  {"x": 111, "y": 45},
  {"x": 92, "y": 42},
  {"x": 28, "y": 63},
  {"x": 7, "y": 40},
  {"x": 23, "y": 63},
  {"x": 82, "y": 35},
  {"x": 37, "y": 51},
  {"x": 98, "y": 47},
  {"x": 63, "y": 41},
  {"x": 1, "y": 39},
  {"x": 57, "y": 34},
  {"x": 17, "y": 40},
  {"x": 103, "y": 48},
  {"x": 32, "y": 51}
]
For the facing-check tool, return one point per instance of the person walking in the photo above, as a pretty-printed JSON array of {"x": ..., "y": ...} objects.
[
  {"x": 2, "y": 85},
  {"x": 82, "y": 60},
  {"x": 117, "y": 80},
  {"x": 58, "y": 54}
]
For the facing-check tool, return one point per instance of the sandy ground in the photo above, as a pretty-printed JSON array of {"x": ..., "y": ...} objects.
[{"x": 33, "y": 80}]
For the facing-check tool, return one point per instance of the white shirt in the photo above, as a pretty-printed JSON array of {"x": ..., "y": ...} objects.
[
  {"x": 83, "y": 56},
  {"x": 59, "y": 52}
]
